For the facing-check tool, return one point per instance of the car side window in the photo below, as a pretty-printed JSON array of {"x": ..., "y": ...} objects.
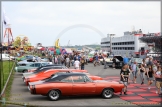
[
  {"x": 32, "y": 65},
  {"x": 78, "y": 79},
  {"x": 68, "y": 79},
  {"x": 87, "y": 79},
  {"x": 37, "y": 64}
]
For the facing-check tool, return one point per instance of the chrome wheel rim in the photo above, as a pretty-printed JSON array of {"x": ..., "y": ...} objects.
[
  {"x": 108, "y": 93},
  {"x": 54, "y": 95}
]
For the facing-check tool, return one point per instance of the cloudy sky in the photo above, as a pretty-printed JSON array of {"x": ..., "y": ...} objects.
[{"x": 80, "y": 22}]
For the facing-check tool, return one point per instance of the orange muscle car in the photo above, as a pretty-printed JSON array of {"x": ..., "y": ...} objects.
[
  {"x": 67, "y": 84},
  {"x": 47, "y": 74}
]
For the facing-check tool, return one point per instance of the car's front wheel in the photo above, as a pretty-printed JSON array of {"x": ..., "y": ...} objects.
[
  {"x": 54, "y": 95},
  {"x": 107, "y": 93}
]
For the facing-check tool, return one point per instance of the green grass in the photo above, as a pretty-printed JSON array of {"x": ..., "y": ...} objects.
[{"x": 7, "y": 66}]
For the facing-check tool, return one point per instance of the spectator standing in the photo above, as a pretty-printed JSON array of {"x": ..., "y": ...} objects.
[
  {"x": 76, "y": 64},
  {"x": 34, "y": 59},
  {"x": 114, "y": 62},
  {"x": 39, "y": 59},
  {"x": 82, "y": 63},
  {"x": 67, "y": 61},
  {"x": 59, "y": 59}
]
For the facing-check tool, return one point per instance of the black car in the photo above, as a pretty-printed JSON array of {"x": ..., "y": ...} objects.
[{"x": 119, "y": 62}]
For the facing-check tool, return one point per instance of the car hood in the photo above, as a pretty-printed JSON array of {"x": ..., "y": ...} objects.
[
  {"x": 36, "y": 83},
  {"x": 29, "y": 76}
]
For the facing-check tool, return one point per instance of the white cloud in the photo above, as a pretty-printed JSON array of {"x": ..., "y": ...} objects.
[{"x": 108, "y": 17}]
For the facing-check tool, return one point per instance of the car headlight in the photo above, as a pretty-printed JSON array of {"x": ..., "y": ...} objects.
[{"x": 16, "y": 69}]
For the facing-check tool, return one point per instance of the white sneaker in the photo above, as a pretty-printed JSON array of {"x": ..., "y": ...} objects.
[
  {"x": 156, "y": 92},
  {"x": 149, "y": 88}
]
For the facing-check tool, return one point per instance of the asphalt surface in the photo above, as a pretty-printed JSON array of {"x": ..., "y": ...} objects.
[{"x": 20, "y": 94}]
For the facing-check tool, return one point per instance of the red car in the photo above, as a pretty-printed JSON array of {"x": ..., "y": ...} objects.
[
  {"x": 47, "y": 74},
  {"x": 67, "y": 84}
]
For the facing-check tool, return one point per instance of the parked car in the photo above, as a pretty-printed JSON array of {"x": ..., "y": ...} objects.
[
  {"x": 107, "y": 59},
  {"x": 25, "y": 67},
  {"x": 66, "y": 84},
  {"x": 26, "y": 61},
  {"x": 6, "y": 57},
  {"x": 46, "y": 74},
  {"x": 119, "y": 62},
  {"x": 42, "y": 69}
]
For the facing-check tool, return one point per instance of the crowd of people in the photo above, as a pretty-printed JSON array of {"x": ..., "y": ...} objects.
[{"x": 148, "y": 70}]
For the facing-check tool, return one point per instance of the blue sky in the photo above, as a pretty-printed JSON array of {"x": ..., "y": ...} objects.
[{"x": 43, "y": 21}]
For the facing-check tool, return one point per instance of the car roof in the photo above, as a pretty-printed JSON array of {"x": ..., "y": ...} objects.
[{"x": 71, "y": 74}]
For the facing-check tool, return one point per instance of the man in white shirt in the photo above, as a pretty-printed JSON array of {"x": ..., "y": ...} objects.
[
  {"x": 39, "y": 59},
  {"x": 34, "y": 58},
  {"x": 76, "y": 64}
]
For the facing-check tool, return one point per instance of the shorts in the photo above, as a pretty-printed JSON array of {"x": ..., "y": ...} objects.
[
  {"x": 125, "y": 83},
  {"x": 150, "y": 79},
  {"x": 76, "y": 67},
  {"x": 113, "y": 65},
  {"x": 134, "y": 74},
  {"x": 158, "y": 84}
]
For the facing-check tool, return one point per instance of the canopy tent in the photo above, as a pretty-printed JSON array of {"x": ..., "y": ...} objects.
[
  {"x": 42, "y": 49},
  {"x": 68, "y": 50},
  {"x": 51, "y": 49}
]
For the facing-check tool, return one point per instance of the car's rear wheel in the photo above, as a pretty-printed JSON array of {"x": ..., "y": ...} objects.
[
  {"x": 107, "y": 93},
  {"x": 54, "y": 95}
]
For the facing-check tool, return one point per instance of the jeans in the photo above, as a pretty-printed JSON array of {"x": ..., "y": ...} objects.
[
  {"x": 142, "y": 75},
  {"x": 82, "y": 67}
]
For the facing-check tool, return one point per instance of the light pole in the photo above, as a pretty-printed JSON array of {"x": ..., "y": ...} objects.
[{"x": 111, "y": 42}]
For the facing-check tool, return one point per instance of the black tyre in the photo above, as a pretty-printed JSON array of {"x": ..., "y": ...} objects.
[
  {"x": 54, "y": 95},
  {"x": 107, "y": 93}
]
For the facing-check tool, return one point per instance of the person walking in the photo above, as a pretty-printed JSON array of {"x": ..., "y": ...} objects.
[
  {"x": 142, "y": 73},
  {"x": 149, "y": 75},
  {"x": 124, "y": 77},
  {"x": 134, "y": 71},
  {"x": 76, "y": 64}
]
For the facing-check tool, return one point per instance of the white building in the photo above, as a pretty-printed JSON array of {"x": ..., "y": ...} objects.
[{"x": 126, "y": 45}]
